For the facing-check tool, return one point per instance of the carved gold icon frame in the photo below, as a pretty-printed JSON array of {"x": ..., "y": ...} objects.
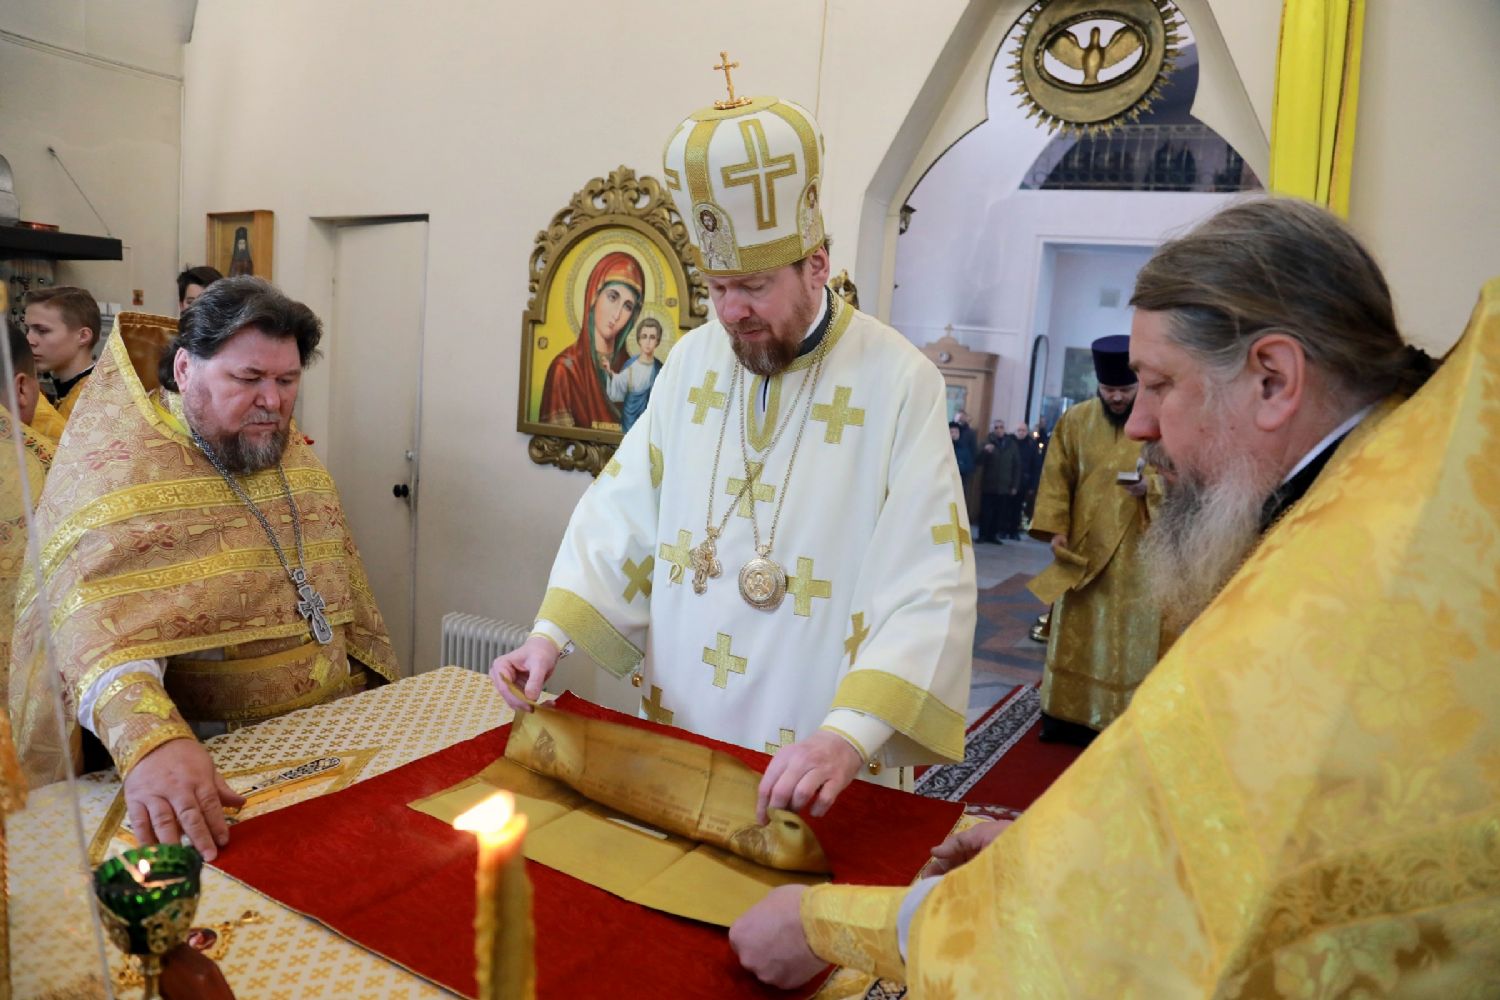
[{"x": 614, "y": 262}]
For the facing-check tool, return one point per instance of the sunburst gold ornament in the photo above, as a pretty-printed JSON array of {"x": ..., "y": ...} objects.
[{"x": 1085, "y": 85}]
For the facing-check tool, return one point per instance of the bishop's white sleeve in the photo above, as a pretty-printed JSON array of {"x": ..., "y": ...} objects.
[
  {"x": 599, "y": 592},
  {"x": 916, "y": 593}
]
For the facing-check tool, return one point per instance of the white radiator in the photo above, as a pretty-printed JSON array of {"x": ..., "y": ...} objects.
[{"x": 473, "y": 641}]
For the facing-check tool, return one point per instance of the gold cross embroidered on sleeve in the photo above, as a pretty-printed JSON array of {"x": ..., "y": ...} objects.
[
  {"x": 955, "y": 532},
  {"x": 860, "y": 633},
  {"x": 638, "y": 577}
]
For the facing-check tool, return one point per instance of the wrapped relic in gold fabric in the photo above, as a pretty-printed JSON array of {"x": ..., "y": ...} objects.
[{"x": 690, "y": 790}]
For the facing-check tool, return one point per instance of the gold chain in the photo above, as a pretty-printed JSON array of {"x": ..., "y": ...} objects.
[{"x": 786, "y": 480}]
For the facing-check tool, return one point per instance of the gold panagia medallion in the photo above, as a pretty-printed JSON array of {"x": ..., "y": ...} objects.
[{"x": 763, "y": 583}]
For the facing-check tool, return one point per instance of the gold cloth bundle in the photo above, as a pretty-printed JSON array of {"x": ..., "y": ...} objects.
[{"x": 655, "y": 820}]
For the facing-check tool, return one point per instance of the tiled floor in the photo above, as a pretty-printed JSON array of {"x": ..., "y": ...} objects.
[{"x": 1004, "y": 653}]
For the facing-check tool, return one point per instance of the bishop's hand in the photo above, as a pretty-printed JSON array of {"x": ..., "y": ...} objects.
[
  {"x": 175, "y": 790},
  {"x": 526, "y": 667},
  {"x": 809, "y": 772}
]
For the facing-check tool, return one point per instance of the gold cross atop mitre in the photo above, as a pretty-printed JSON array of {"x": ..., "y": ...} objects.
[{"x": 733, "y": 102}]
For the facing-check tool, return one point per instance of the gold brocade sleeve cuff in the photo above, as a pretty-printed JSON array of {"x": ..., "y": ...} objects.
[
  {"x": 134, "y": 716},
  {"x": 590, "y": 630},
  {"x": 855, "y": 927}
]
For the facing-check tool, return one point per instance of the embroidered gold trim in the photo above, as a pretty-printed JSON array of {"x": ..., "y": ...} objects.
[
  {"x": 910, "y": 710},
  {"x": 859, "y": 748},
  {"x": 758, "y": 430},
  {"x": 590, "y": 630},
  {"x": 118, "y": 685},
  {"x": 161, "y": 497},
  {"x": 199, "y": 569},
  {"x": 198, "y": 643}
]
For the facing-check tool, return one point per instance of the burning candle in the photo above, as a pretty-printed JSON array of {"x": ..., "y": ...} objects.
[{"x": 503, "y": 934}]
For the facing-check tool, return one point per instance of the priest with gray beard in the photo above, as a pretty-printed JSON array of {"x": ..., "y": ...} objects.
[{"x": 1303, "y": 794}]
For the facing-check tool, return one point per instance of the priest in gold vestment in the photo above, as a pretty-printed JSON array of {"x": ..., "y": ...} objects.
[
  {"x": 1303, "y": 799},
  {"x": 1092, "y": 507},
  {"x": 21, "y": 478},
  {"x": 778, "y": 552},
  {"x": 196, "y": 569}
]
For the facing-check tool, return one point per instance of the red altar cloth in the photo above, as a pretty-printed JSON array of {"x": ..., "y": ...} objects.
[{"x": 401, "y": 883}]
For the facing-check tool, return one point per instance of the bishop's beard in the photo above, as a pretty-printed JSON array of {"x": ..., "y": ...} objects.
[
  {"x": 774, "y": 354},
  {"x": 1202, "y": 533}
]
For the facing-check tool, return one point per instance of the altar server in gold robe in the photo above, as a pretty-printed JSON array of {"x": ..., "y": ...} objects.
[
  {"x": 1303, "y": 798},
  {"x": 778, "y": 553},
  {"x": 21, "y": 478},
  {"x": 197, "y": 571},
  {"x": 62, "y": 325},
  {"x": 1092, "y": 507}
]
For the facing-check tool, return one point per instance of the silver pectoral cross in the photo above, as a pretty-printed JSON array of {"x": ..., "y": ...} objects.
[{"x": 311, "y": 607}]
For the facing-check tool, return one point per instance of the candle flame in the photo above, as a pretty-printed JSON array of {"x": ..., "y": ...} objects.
[
  {"x": 488, "y": 816},
  {"x": 145, "y": 867}
]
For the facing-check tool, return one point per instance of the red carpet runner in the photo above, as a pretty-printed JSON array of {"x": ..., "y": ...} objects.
[{"x": 402, "y": 884}]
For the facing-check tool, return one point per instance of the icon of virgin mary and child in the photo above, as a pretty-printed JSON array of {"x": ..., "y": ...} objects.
[{"x": 595, "y": 382}]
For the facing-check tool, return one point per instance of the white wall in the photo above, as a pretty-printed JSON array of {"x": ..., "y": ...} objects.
[
  {"x": 488, "y": 117},
  {"x": 978, "y": 263},
  {"x": 100, "y": 82},
  {"x": 1090, "y": 299}
]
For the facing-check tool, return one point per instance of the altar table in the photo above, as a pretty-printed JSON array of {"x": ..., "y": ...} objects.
[{"x": 283, "y": 955}]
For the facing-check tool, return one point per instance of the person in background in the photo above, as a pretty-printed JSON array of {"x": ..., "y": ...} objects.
[{"x": 192, "y": 282}]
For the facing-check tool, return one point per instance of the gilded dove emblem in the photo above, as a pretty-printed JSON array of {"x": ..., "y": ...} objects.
[{"x": 1095, "y": 57}]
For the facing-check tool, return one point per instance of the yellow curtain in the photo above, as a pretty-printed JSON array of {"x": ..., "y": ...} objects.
[{"x": 1317, "y": 89}]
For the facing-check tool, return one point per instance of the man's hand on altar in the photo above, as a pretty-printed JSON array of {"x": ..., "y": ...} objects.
[
  {"x": 811, "y": 771},
  {"x": 527, "y": 667},
  {"x": 769, "y": 941},
  {"x": 175, "y": 790},
  {"x": 961, "y": 847}
]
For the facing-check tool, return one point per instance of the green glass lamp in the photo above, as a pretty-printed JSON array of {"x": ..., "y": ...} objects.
[{"x": 148, "y": 897}]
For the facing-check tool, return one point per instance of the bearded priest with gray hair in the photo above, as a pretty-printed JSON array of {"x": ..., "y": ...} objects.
[{"x": 197, "y": 571}]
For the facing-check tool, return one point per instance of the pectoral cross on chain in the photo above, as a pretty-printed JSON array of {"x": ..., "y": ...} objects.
[
  {"x": 705, "y": 563},
  {"x": 311, "y": 607}
]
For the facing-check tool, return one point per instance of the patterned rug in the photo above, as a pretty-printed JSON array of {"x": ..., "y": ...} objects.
[{"x": 1003, "y": 649}]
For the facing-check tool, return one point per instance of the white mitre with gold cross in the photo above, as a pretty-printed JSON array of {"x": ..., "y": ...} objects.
[{"x": 745, "y": 175}]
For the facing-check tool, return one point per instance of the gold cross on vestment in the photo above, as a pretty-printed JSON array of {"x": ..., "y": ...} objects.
[
  {"x": 788, "y": 737},
  {"x": 757, "y": 491},
  {"x": 657, "y": 465},
  {"x": 653, "y": 708},
  {"x": 838, "y": 415},
  {"x": 761, "y": 171},
  {"x": 804, "y": 588},
  {"x": 679, "y": 555},
  {"x": 954, "y": 531},
  {"x": 723, "y": 661},
  {"x": 861, "y": 632},
  {"x": 704, "y": 398},
  {"x": 725, "y": 65},
  {"x": 638, "y": 577}
]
